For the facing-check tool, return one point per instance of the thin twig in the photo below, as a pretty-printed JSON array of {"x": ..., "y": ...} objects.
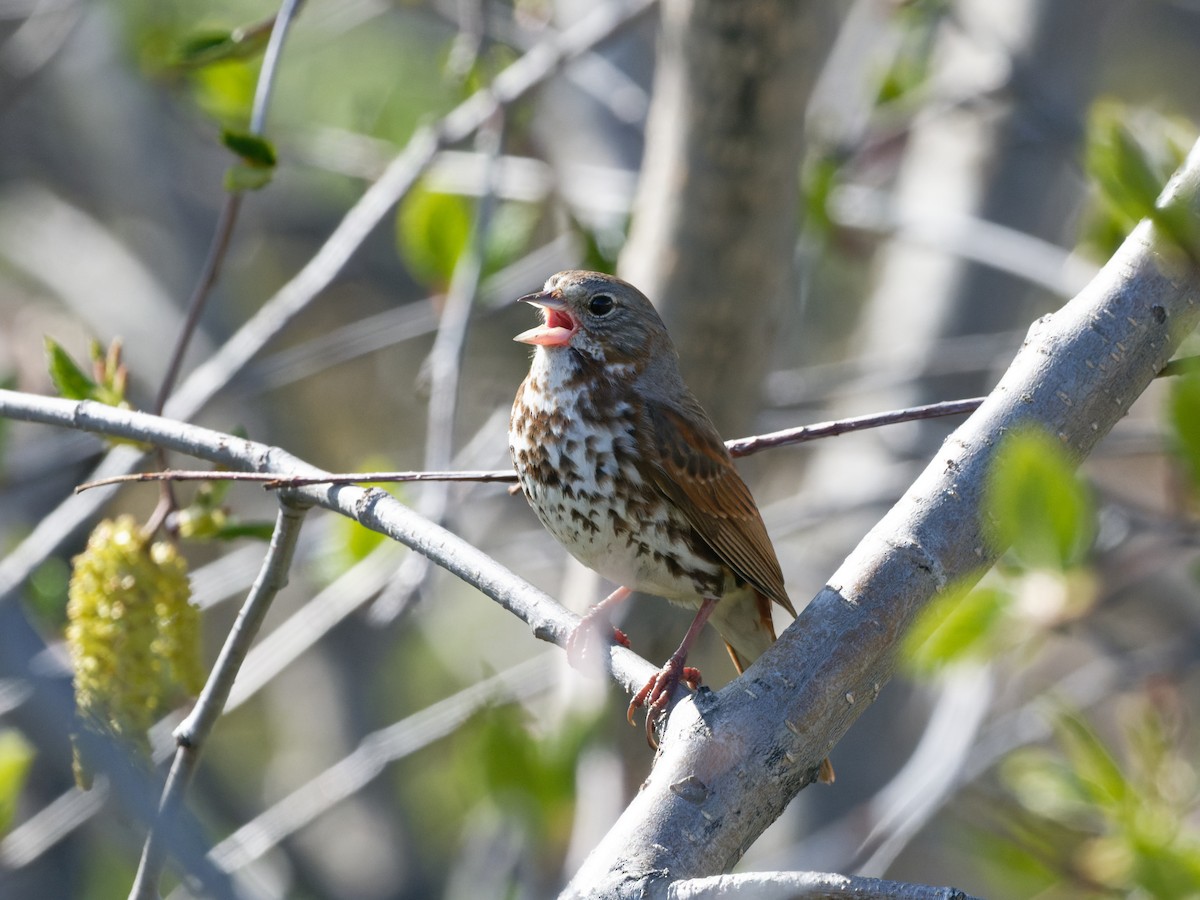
[
  {"x": 739, "y": 447},
  {"x": 445, "y": 367},
  {"x": 227, "y": 218},
  {"x": 193, "y": 732},
  {"x": 804, "y": 433}
]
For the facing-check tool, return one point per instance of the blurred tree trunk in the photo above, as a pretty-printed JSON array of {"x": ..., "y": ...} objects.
[
  {"x": 1010, "y": 156},
  {"x": 714, "y": 223}
]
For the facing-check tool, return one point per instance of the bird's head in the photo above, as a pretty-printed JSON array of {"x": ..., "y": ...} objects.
[{"x": 600, "y": 317}]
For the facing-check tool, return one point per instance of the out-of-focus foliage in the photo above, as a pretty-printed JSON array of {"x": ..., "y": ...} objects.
[
  {"x": 1130, "y": 154},
  {"x": 1034, "y": 506},
  {"x": 1085, "y": 820},
  {"x": 433, "y": 230},
  {"x": 1100, "y": 820},
  {"x": 133, "y": 634},
  {"x": 911, "y": 64},
  {"x": 1184, "y": 416},
  {"x": 1037, "y": 508},
  {"x": 107, "y": 382},
  {"x": 16, "y": 756},
  {"x": 529, "y": 777}
]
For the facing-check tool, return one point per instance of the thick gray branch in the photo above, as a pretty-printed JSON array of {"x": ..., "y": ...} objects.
[
  {"x": 805, "y": 886},
  {"x": 731, "y": 761}
]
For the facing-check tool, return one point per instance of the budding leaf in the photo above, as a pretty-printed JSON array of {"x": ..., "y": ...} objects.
[
  {"x": 69, "y": 380},
  {"x": 253, "y": 149},
  {"x": 221, "y": 45}
]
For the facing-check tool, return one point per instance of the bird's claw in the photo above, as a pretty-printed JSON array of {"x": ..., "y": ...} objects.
[
  {"x": 656, "y": 694},
  {"x": 584, "y": 637}
]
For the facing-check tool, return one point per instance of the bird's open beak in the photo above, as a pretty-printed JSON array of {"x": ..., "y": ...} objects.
[{"x": 557, "y": 326}]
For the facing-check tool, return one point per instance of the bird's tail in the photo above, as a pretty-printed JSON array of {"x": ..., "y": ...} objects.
[{"x": 744, "y": 622}]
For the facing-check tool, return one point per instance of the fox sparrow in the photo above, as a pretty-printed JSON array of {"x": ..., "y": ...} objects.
[{"x": 624, "y": 468}]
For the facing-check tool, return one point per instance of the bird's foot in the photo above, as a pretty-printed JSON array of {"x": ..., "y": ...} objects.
[
  {"x": 589, "y": 637},
  {"x": 657, "y": 692},
  {"x": 593, "y": 628}
]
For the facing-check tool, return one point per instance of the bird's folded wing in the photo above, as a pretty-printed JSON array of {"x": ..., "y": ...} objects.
[{"x": 689, "y": 464}]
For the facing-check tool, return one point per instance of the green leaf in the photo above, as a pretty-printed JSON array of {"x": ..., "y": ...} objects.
[
  {"x": 1121, "y": 165},
  {"x": 1092, "y": 763},
  {"x": 432, "y": 231},
  {"x": 225, "y": 90},
  {"x": 509, "y": 232},
  {"x": 16, "y": 756},
  {"x": 68, "y": 378},
  {"x": 1131, "y": 152},
  {"x": 240, "y": 178},
  {"x": 253, "y": 149},
  {"x": 956, "y": 626},
  {"x": 1183, "y": 412},
  {"x": 259, "y": 531},
  {"x": 1034, "y": 503},
  {"x": 203, "y": 48},
  {"x": 1044, "y": 784}
]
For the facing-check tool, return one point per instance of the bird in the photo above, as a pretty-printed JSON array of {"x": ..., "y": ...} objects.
[{"x": 623, "y": 467}]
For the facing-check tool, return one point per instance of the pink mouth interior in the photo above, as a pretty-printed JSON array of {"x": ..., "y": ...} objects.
[
  {"x": 556, "y": 331},
  {"x": 556, "y": 319}
]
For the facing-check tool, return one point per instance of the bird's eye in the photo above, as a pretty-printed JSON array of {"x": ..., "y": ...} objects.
[{"x": 601, "y": 305}]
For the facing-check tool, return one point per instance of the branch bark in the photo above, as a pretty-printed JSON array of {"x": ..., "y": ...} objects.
[{"x": 731, "y": 761}]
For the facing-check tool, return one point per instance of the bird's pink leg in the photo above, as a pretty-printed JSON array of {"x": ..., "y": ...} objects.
[
  {"x": 656, "y": 695},
  {"x": 592, "y": 626}
]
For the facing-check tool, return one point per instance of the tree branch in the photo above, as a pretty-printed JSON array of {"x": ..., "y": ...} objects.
[
  {"x": 193, "y": 732},
  {"x": 805, "y": 886},
  {"x": 731, "y": 761},
  {"x": 370, "y": 507}
]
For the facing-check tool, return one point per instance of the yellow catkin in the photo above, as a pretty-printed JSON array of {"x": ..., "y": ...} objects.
[{"x": 133, "y": 634}]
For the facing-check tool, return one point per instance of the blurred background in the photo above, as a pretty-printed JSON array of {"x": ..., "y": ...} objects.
[{"x": 840, "y": 207}]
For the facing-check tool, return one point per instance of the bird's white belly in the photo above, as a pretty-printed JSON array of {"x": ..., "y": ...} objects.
[{"x": 569, "y": 465}]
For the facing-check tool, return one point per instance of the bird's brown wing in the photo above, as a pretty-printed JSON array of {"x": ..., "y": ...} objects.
[{"x": 689, "y": 464}]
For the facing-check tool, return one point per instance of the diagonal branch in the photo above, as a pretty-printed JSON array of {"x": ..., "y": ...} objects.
[
  {"x": 731, "y": 761},
  {"x": 371, "y": 507},
  {"x": 806, "y": 886},
  {"x": 192, "y": 734}
]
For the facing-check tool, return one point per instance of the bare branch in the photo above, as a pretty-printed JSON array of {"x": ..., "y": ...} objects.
[
  {"x": 227, "y": 218},
  {"x": 444, "y": 366},
  {"x": 371, "y": 507},
  {"x": 805, "y": 886},
  {"x": 193, "y": 732}
]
